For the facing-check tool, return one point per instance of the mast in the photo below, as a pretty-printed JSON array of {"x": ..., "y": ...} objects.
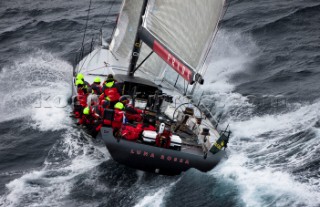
[{"x": 137, "y": 43}]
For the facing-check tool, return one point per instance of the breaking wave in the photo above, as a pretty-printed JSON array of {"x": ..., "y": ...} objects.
[
  {"x": 34, "y": 88},
  {"x": 51, "y": 185},
  {"x": 272, "y": 155}
]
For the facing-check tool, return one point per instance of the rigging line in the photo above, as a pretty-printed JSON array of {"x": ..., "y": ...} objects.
[
  {"x": 142, "y": 62},
  {"x": 85, "y": 30},
  {"x": 227, "y": 7},
  {"x": 96, "y": 68},
  {"x": 107, "y": 14},
  {"x": 185, "y": 92},
  {"x": 214, "y": 39},
  {"x": 106, "y": 66}
]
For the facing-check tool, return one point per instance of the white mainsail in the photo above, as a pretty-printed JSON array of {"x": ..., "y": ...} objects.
[
  {"x": 179, "y": 31},
  {"x": 185, "y": 28}
]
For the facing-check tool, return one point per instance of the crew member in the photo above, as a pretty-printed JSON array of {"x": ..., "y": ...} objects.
[
  {"x": 80, "y": 101},
  {"x": 81, "y": 87},
  {"x": 110, "y": 76},
  {"x": 163, "y": 138},
  {"x": 105, "y": 104},
  {"x": 132, "y": 114},
  {"x": 91, "y": 119},
  {"x": 80, "y": 76},
  {"x": 118, "y": 117},
  {"x": 96, "y": 87},
  {"x": 107, "y": 114},
  {"x": 92, "y": 99},
  {"x": 133, "y": 133},
  {"x": 110, "y": 89}
]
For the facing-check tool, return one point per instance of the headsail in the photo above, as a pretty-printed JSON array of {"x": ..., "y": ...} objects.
[
  {"x": 181, "y": 32},
  {"x": 126, "y": 29},
  {"x": 124, "y": 36}
]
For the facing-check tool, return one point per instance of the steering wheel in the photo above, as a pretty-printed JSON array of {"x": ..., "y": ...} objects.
[{"x": 182, "y": 107}]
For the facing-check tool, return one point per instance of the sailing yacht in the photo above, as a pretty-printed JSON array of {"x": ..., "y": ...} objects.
[{"x": 155, "y": 45}]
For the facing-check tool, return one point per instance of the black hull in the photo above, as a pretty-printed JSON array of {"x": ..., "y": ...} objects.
[{"x": 155, "y": 159}]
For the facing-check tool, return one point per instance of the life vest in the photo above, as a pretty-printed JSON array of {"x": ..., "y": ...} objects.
[{"x": 111, "y": 91}]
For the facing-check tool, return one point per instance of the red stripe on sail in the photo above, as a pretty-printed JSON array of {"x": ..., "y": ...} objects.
[{"x": 174, "y": 62}]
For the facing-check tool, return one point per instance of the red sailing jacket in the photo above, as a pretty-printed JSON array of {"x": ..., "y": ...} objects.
[
  {"x": 96, "y": 88},
  {"x": 111, "y": 92},
  {"x": 133, "y": 132},
  {"x": 90, "y": 118},
  {"x": 82, "y": 98},
  {"x": 117, "y": 119},
  {"x": 102, "y": 98},
  {"x": 133, "y": 114}
]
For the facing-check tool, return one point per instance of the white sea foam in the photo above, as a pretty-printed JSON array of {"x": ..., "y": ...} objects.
[
  {"x": 51, "y": 185},
  {"x": 232, "y": 53},
  {"x": 155, "y": 199},
  {"x": 285, "y": 124},
  {"x": 248, "y": 166},
  {"x": 262, "y": 184},
  {"x": 266, "y": 186},
  {"x": 36, "y": 88}
]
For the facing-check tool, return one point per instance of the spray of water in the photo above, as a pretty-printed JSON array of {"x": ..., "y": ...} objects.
[
  {"x": 265, "y": 149},
  {"x": 36, "y": 88}
]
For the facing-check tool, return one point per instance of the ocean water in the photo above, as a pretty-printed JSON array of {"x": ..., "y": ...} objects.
[{"x": 263, "y": 74}]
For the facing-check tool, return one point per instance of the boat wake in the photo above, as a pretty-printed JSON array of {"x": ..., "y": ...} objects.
[{"x": 273, "y": 153}]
